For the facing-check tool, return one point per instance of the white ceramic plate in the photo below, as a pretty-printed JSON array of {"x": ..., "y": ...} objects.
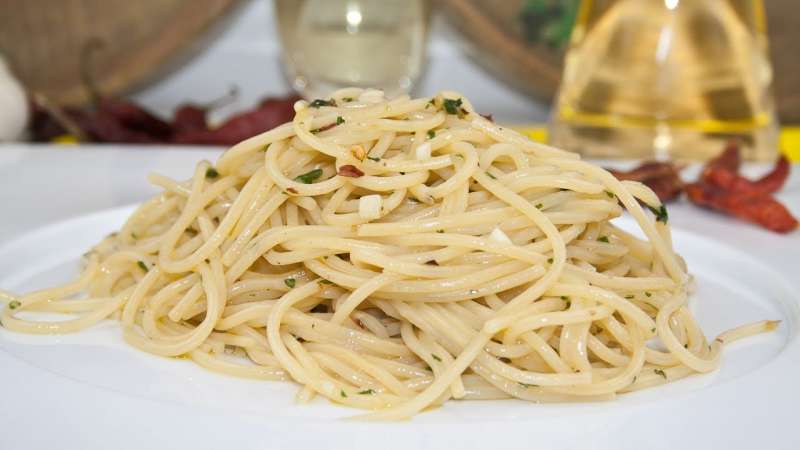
[{"x": 89, "y": 390}]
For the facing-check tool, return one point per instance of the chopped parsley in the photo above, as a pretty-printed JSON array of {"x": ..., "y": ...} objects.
[
  {"x": 653, "y": 330},
  {"x": 660, "y": 213},
  {"x": 211, "y": 173},
  {"x": 648, "y": 294},
  {"x": 290, "y": 282},
  {"x": 324, "y": 281},
  {"x": 526, "y": 385},
  {"x": 309, "y": 177},
  {"x": 266, "y": 147},
  {"x": 319, "y": 102},
  {"x": 610, "y": 194},
  {"x": 343, "y": 393},
  {"x": 436, "y": 357},
  {"x": 431, "y": 134},
  {"x": 661, "y": 372},
  {"x": 453, "y": 106},
  {"x": 549, "y": 260},
  {"x": 564, "y": 297},
  {"x": 491, "y": 176},
  {"x": 347, "y": 99},
  {"x": 603, "y": 239},
  {"x": 339, "y": 120},
  {"x": 373, "y": 158},
  {"x": 630, "y": 296},
  {"x": 142, "y": 265},
  {"x": 14, "y": 304},
  {"x": 367, "y": 392},
  {"x": 539, "y": 206},
  {"x": 440, "y": 231}
]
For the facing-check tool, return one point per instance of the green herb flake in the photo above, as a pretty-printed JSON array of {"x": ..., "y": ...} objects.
[
  {"x": 367, "y": 392},
  {"x": 526, "y": 385},
  {"x": 436, "y": 357},
  {"x": 14, "y": 304},
  {"x": 339, "y": 120},
  {"x": 211, "y": 173},
  {"x": 343, "y": 393},
  {"x": 309, "y": 177},
  {"x": 319, "y": 102},
  {"x": 440, "y": 231},
  {"x": 539, "y": 206},
  {"x": 549, "y": 260},
  {"x": 660, "y": 213},
  {"x": 431, "y": 134},
  {"x": 491, "y": 176},
  {"x": 452, "y": 106},
  {"x": 290, "y": 282},
  {"x": 347, "y": 99},
  {"x": 324, "y": 281},
  {"x": 630, "y": 296},
  {"x": 373, "y": 158},
  {"x": 134, "y": 236},
  {"x": 660, "y": 372},
  {"x": 653, "y": 330},
  {"x": 648, "y": 294},
  {"x": 610, "y": 194},
  {"x": 603, "y": 239},
  {"x": 266, "y": 147},
  {"x": 142, "y": 265}
]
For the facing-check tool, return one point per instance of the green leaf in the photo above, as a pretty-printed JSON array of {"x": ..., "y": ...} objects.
[
  {"x": 290, "y": 282},
  {"x": 603, "y": 239},
  {"x": 367, "y": 392},
  {"x": 452, "y": 106},
  {"x": 660, "y": 213},
  {"x": 339, "y": 120},
  {"x": 142, "y": 265},
  {"x": 431, "y": 134},
  {"x": 436, "y": 357},
  {"x": 309, "y": 177},
  {"x": 211, "y": 173},
  {"x": 14, "y": 304},
  {"x": 319, "y": 102}
]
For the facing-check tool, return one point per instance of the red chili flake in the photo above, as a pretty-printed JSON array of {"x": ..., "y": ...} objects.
[
  {"x": 349, "y": 170},
  {"x": 292, "y": 190},
  {"x": 760, "y": 209},
  {"x": 662, "y": 177}
]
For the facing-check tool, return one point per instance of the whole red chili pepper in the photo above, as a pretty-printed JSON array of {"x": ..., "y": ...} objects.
[{"x": 764, "y": 209}]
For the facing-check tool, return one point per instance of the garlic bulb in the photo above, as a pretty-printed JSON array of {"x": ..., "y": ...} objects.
[{"x": 14, "y": 108}]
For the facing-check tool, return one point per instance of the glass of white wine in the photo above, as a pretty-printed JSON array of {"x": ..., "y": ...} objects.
[{"x": 330, "y": 44}]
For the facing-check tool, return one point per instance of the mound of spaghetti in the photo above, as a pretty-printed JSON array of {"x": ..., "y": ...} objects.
[{"x": 391, "y": 255}]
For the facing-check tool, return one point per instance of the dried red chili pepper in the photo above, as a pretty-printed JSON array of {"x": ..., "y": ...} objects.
[
  {"x": 269, "y": 114},
  {"x": 730, "y": 159},
  {"x": 349, "y": 170},
  {"x": 662, "y": 177},
  {"x": 731, "y": 181},
  {"x": 189, "y": 118},
  {"x": 761, "y": 209}
]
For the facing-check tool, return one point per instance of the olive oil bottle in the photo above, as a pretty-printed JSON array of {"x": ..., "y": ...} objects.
[{"x": 667, "y": 79}]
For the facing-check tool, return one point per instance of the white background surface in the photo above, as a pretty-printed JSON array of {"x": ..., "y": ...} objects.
[
  {"x": 85, "y": 396},
  {"x": 247, "y": 55}
]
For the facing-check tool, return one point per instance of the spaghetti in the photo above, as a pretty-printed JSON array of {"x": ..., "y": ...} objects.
[{"x": 391, "y": 255}]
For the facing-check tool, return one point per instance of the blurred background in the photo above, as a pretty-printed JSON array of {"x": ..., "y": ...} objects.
[{"x": 608, "y": 78}]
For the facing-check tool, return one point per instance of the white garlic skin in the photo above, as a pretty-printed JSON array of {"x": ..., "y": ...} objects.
[{"x": 14, "y": 107}]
